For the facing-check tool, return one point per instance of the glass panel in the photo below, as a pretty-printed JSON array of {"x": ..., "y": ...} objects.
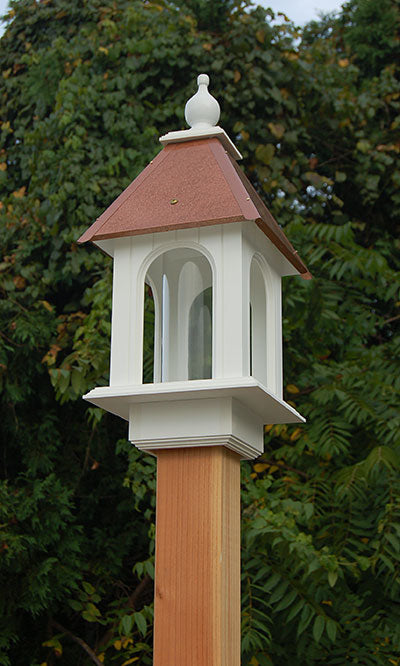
[{"x": 200, "y": 336}]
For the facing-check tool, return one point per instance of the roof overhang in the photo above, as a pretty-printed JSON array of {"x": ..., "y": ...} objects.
[{"x": 190, "y": 184}]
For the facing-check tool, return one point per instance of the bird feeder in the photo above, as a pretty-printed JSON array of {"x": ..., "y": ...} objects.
[
  {"x": 192, "y": 229},
  {"x": 191, "y": 236}
]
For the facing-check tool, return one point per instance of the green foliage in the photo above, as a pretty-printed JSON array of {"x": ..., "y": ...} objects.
[{"x": 86, "y": 89}]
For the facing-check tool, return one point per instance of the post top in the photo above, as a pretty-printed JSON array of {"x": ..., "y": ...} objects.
[{"x": 202, "y": 114}]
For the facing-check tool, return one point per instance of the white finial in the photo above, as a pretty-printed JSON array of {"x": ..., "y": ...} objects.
[
  {"x": 202, "y": 110},
  {"x": 202, "y": 114}
]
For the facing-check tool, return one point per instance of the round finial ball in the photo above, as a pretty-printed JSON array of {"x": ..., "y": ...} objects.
[
  {"x": 202, "y": 110},
  {"x": 203, "y": 79}
]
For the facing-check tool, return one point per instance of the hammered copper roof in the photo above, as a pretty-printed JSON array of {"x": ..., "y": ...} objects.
[{"x": 191, "y": 184}]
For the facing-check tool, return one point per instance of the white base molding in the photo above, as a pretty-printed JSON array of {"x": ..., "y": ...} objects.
[{"x": 246, "y": 451}]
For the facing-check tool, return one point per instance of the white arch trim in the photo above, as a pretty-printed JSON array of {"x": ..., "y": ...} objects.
[{"x": 175, "y": 245}]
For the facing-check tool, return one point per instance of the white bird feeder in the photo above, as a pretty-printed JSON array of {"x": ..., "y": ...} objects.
[{"x": 192, "y": 229}]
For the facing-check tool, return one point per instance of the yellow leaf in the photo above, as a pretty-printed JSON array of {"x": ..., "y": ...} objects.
[
  {"x": 253, "y": 475},
  {"x": 101, "y": 657},
  {"x": 291, "y": 388},
  {"x": 269, "y": 427},
  {"x": 277, "y": 130},
  {"x": 47, "y": 305},
  {"x": 130, "y": 661},
  {"x": 103, "y": 49},
  {"x": 364, "y": 539},
  {"x": 55, "y": 644},
  {"x": 3, "y": 166},
  {"x": 363, "y": 145},
  {"x": 260, "y": 467},
  {"x": 207, "y": 46},
  {"x": 254, "y": 662},
  {"x": 6, "y": 73},
  {"x": 265, "y": 153},
  {"x": 118, "y": 644},
  {"x": 343, "y": 62},
  {"x": 236, "y": 76},
  {"x": 295, "y": 434},
  {"x": 327, "y": 602},
  {"x": 245, "y": 135},
  {"x": 260, "y": 36},
  {"x": 18, "y": 194},
  {"x": 291, "y": 55},
  {"x": 273, "y": 469}
]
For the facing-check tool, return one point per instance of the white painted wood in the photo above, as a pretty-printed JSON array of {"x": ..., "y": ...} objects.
[
  {"x": 201, "y": 422},
  {"x": 136, "y": 311},
  {"x": 259, "y": 337},
  {"x": 120, "y": 321},
  {"x": 247, "y": 390},
  {"x": 195, "y": 133},
  {"x": 243, "y": 267},
  {"x": 245, "y": 450},
  {"x": 230, "y": 309},
  {"x": 202, "y": 110}
]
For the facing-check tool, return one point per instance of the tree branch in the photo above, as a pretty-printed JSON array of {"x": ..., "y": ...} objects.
[
  {"x": 138, "y": 591},
  {"x": 388, "y": 321},
  {"x": 284, "y": 466},
  {"x": 80, "y": 642},
  {"x": 132, "y": 599}
]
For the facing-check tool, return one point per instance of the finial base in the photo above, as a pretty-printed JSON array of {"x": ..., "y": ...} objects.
[{"x": 199, "y": 133}]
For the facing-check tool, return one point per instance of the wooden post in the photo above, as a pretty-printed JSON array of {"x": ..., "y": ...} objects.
[{"x": 197, "y": 585}]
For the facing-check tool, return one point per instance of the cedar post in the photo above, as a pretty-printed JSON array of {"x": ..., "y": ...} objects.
[{"x": 197, "y": 585}]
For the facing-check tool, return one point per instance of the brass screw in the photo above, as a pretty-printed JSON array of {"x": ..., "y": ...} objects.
[{"x": 173, "y": 201}]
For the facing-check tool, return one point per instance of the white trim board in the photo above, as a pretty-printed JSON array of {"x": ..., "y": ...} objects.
[{"x": 247, "y": 390}]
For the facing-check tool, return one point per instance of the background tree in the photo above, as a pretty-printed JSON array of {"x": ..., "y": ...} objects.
[{"x": 86, "y": 89}]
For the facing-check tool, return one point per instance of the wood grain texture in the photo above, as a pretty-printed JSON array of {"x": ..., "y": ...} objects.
[{"x": 197, "y": 587}]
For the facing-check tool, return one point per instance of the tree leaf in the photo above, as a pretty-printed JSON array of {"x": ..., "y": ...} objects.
[
  {"x": 318, "y": 628},
  {"x": 141, "y": 623}
]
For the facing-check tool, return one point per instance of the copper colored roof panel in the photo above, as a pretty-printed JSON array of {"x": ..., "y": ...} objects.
[{"x": 188, "y": 185}]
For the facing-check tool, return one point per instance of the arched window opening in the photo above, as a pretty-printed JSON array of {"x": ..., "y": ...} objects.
[
  {"x": 258, "y": 323},
  {"x": 181, "y": 281},
  {"x": 200, "y": 336},
  {"x": 148, "y": 335}
]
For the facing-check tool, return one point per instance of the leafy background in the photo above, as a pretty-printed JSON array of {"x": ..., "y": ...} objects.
[{"x": 86, "y": 89}]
